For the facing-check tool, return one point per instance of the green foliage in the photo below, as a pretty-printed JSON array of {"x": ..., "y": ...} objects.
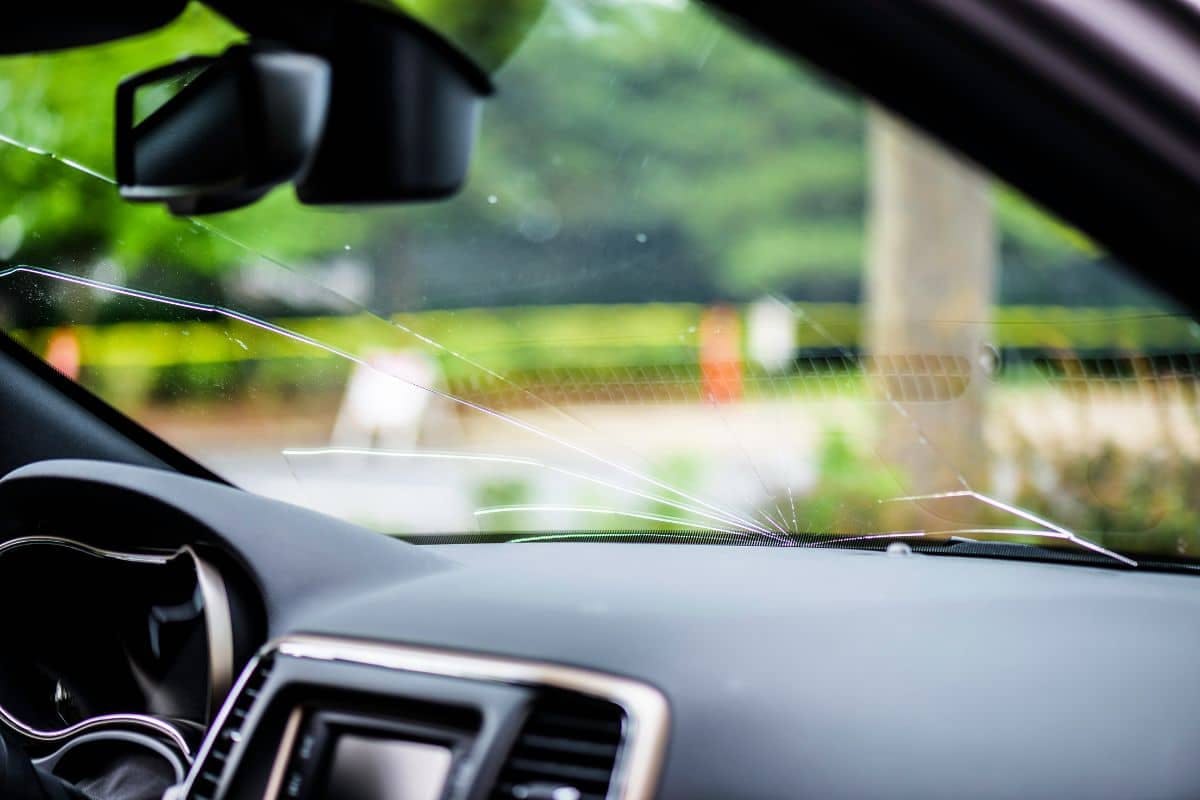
[
  {"x": 63, "y": 103},
  {"x": 1136, "y": 502},
  {"x": 488, "y": 32},
  {"x": 693, "y": 131},
  {"x": 681, "y": 472},
  {"x": 503, "y": 493},
  {"x": 628, "y": 117},
  {"x": 845, "y": 498},
  {"x": 499, "y": 493},
  {"x": 550, "y": 337}
]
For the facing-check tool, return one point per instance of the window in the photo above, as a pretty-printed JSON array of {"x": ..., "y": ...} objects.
[{"x": 691, "y": 290}]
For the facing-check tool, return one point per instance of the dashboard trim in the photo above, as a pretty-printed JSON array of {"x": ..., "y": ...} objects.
[
  {"x": 643, "y": 749},
  {"x": 286, "y": 743},
  {"x": 100, "y": 552},
  {"x": 101, "y": 722},
  {"x": 218, "y": 623}
]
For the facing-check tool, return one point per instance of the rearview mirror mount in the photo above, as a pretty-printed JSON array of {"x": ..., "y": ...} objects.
[{"x": 404, "y": 112}]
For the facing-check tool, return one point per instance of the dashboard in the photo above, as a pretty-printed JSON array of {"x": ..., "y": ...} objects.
[{"x": 372, "y": 669}]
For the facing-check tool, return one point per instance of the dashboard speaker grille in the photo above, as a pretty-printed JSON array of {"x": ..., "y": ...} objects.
[
  {"x": 566, "y": 750},
  {"x": 208, "y": 779}
]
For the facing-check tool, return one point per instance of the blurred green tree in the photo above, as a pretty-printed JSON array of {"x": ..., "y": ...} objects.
[{"x": 628, "y": 118}]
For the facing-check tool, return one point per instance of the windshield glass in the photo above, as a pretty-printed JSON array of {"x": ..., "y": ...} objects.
[{"x": 690, "y": 288}]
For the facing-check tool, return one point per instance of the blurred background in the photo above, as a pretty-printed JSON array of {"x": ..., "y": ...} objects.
[{"x": 689, "y": 286}]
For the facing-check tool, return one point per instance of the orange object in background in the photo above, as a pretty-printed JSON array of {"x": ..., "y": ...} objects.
[
  {"x": 63, "y": 352},
  {"x": 720, "y": 335}
]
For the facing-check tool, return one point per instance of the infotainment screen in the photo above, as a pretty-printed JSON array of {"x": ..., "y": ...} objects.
[{"x": 367, "y": 768}]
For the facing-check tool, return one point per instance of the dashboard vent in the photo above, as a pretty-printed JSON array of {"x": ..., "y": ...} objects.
[
  {"x": 208, "y": 779},
  {"x": 566, "y": 750}
]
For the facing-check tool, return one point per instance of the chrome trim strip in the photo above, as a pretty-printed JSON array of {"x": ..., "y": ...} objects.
[
  {"x": 218, "y": 624},
  {"x": 292, "y": 729},
  {"x": 117, "y": 721},
  {"x": 87, "y": 549},
  {"x": 639, "y": 761}
]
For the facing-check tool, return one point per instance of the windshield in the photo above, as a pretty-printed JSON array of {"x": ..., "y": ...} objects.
[{"x": 690, "y": 289}]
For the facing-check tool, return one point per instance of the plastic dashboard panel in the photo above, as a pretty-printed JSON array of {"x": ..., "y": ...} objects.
[{"x": 790, "y": 673}]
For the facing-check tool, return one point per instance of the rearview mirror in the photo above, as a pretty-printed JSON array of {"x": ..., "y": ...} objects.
[
  {"x": 211, "y": 134},
  {"x": 352, "y": 103}
]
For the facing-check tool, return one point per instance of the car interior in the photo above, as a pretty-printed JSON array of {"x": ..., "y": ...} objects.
[{"x": 188, "y": 621}]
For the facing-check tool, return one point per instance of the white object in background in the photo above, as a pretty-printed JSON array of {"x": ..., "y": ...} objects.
[
  {"x": 771, "y": 334},
  {"x": 386, "y": 403}
]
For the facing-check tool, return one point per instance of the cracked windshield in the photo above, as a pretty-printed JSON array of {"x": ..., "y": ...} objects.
[{"x": 690, "y": 292}]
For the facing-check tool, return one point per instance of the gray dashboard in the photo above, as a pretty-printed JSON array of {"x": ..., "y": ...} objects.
[{"x": 789, "y": 672}]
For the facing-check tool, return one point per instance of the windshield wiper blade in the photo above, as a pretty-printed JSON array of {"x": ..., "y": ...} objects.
[{"x": 1048, "y": 529}]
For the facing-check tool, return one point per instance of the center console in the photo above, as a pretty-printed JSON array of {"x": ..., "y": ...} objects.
[{"x": 316, "y": 718}]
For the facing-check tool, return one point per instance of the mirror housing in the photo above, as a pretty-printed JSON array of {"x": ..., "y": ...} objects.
[
  {"x": 239, "y": 125},
  {"x": 404, "y": 113}
]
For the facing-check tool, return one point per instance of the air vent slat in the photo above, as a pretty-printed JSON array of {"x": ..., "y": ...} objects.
[
  {"x": 563, "y": 744},
  {"x": 563, "y": 772},
  {"x": 208, "y": 779},
  {"x": 550, "y": 720},
  {"x": 568, "y": 742}
]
